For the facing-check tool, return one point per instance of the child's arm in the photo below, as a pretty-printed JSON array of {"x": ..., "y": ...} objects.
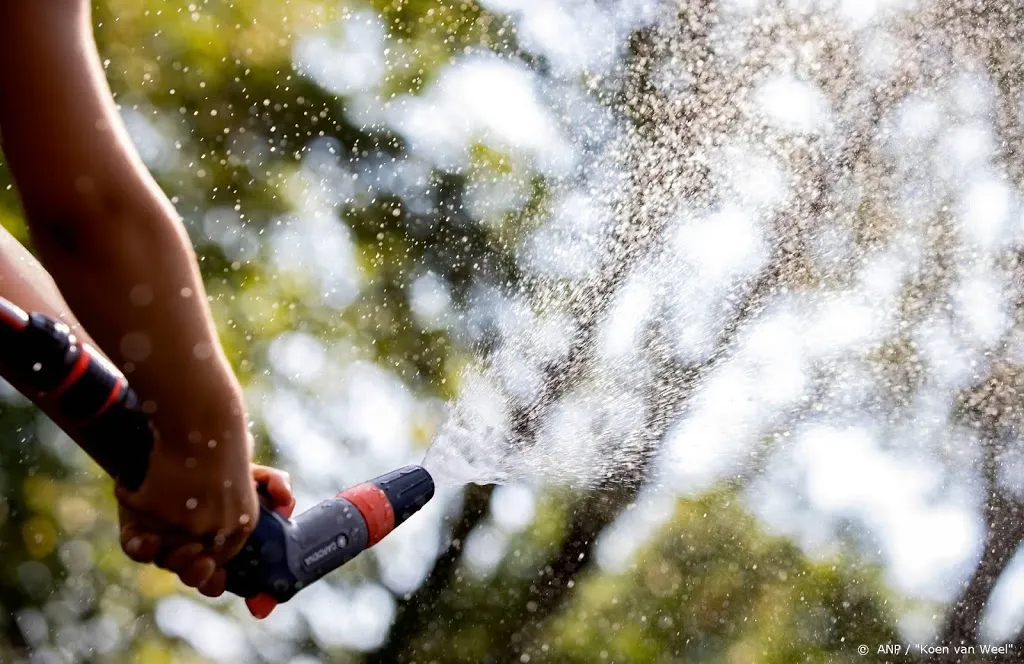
[{"x": 120, "y": 256}]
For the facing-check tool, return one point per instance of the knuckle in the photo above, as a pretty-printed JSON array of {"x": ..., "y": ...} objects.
[
  {"x": 194, "y": 531},
  {"x": 197, "y": 527},
  {"x": 131, "y": 544},
  {"x": 232, "y": 545}
]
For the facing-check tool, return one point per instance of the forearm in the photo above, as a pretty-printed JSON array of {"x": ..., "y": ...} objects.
[
  {"x": 26, "y": 284},
  {"x": 102, "y": 227},
  {"x": 138, "y": 291}
]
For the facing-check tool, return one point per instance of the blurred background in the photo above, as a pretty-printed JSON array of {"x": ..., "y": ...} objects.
[{"x": 727, "y": 293}]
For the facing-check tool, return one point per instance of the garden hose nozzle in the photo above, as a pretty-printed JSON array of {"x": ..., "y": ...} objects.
[
  {"x": 41, "y": 356},
  {"x": 283, "y": 556}
]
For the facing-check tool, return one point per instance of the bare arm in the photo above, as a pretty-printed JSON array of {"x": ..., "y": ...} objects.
[
  {"x": 110, "y": 238},
  {"x": 24, "y": 282},
  {"x": 121, "y": 259}
]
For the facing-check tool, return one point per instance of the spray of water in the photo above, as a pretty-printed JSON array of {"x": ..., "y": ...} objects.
[{"x": 784, "y": 201}]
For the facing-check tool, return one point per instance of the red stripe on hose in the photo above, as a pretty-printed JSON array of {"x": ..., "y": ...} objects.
[
  {"x": 376, "y": 509},
  {"x": 120, "y": 382},
  {"x": 115, "y": 392},
  {"x": 12, "y": 316},
  {"x": 81, "y": 364}
]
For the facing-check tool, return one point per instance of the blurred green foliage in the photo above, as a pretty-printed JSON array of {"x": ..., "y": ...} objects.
[
  {"x": 217, "y": 80},
  {"x": 710, "y": 587}
]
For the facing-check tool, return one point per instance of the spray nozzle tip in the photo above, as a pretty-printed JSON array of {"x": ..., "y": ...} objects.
[{"x": 408, "y": 489}]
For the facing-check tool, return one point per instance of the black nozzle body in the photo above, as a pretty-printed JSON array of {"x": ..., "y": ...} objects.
[{"x": 407, "y": 489}]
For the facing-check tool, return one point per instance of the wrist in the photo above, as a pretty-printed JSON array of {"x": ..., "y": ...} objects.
[
  {"x": 218, "y": 463},
  {"x": 213, "y": 428}
]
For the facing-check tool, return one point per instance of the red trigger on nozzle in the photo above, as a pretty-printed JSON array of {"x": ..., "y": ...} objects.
[{"x": 261, "y": 605}]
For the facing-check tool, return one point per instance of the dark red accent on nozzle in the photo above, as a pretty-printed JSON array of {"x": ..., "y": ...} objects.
[
  {"x": 261, "y": 605},
  {"x": 376, "y": 509}
]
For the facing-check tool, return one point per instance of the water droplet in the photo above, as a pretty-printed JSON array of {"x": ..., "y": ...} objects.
[
  {"x": 141, "y": 295},
  {"x": 136, "y": 346}
]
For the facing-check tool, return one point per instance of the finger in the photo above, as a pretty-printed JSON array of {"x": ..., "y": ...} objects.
[
  {"x": 279, "y": 486},
  {"x": 261, "y": 473},
  {"x": 142, "y": 547},
  {"x": 278, "y": 482},
  {"x": 216, "y": 584},
  {"x": 261, "y": 605},
  {"x": 198, "y": 572},
  {"x": 228, "y": 546},
  {"x": 179, "y": 559},
  {"x": 125, "y": 496},
  {"x": 280, "y": 489},
  {"x": 149, "y": 547}
]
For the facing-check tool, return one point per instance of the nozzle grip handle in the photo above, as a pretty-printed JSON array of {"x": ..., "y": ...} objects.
[{"x": 283, "y": 556}]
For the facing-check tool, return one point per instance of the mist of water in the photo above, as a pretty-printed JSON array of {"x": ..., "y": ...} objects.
[{"x": 794, "y": 213}]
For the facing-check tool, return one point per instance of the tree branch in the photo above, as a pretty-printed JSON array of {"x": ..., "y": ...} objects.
[
  {"x": 415, "y": 612},
  {"x": 1004, "y": 531},
  {"x": 601, "y": 507},
  {"x": 989, "y": 406}
]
